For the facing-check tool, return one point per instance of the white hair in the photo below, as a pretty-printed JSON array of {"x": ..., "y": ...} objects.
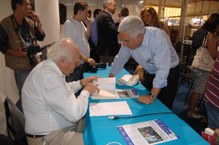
[
  {"x": 132, "y": 25},
  {"x": 62, "y": 49},
  {"x": 106, "y": 3}
]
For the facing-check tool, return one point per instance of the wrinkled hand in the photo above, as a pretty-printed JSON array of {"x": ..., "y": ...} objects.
[
  {"x": 145, "y": 99},
  {"x": 91, "y": 88},
  {"x": 85, "y": 81},
  {"x": 91, "y": 61}
]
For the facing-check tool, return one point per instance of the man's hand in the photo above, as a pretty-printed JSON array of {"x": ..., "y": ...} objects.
[
  {"x": 18, "y": 53},
  {"x": 33, "y": 15},
  {"x": 91, "y": 61},
  {"x": 146, "y": 99},
  {"x": 91, "y": 88},
  {"x": 111, "y": 75},
  {"x": 85, "y": 81}
]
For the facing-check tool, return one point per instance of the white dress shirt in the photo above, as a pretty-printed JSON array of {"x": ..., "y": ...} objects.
[
  {"x": 49, "y": 103},
  {"x": 76, "y": 31}
]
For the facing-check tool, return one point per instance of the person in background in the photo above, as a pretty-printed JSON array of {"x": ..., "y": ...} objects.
[
  {"x": 76, "y": 30},
  {"x": 152, "y": 49},
  {"x": 89, "y": 14},
  {"x": 107, "y": 44},
  {"x": 211, "y": 98},
  {"x": 209, "y": 28},
  {"x": 18, "y": 33},
  {"x": 53, "y": 114},
  {"x": 150, "y": 18},
  {"x": 93, "y": 37},
  {"x": 123, "y": 13}
]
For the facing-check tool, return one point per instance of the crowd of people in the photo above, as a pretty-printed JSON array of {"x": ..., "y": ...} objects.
[{"x": 54, "y": 93}]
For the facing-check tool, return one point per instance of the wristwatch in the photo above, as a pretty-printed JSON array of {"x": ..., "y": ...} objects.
[{"x": 153, "y": 96}]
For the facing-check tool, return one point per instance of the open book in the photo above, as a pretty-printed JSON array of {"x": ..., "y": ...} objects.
[{"x": 107, "y": 90}]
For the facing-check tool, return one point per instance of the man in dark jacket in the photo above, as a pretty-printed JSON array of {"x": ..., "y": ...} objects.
[{"x": 107, "y": 44}]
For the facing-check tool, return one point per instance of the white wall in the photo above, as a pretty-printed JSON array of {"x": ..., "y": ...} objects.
[
  {"x": 48, "y": 12},
  {"x": 7, "y": 80}
]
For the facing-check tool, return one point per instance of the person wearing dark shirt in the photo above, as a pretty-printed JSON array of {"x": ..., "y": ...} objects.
[
  {"x": 107, "y": 43},
  {"x": 19, "y": 32}
]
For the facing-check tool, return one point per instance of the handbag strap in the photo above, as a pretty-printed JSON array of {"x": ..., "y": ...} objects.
[{"x": 204, "y": 42}]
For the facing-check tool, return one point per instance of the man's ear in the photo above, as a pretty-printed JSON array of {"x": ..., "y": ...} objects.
[{"x": 141, "y": 36}]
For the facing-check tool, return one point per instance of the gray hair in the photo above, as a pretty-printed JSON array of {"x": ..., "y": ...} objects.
[
  {"x": 62, "y": 49},
  {"x": 106, "y": 3},
  {"x": 132, "y": 25}
]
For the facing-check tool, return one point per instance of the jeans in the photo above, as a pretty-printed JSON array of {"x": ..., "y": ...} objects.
[
  {"x": 213, "y": 115},
  {"x": 20, "y": 77}
]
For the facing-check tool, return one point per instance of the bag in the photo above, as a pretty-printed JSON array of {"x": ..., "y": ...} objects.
[{"x": 203, "y": 60}]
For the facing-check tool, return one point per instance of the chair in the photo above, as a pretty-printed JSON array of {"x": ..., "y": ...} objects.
[
  {"x": 5, "y": 140},
  {"x": 15, "y": 123},
  {"x": 187, "y": 76}
]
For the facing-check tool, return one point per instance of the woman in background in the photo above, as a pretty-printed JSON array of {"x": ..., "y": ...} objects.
[
  {"x": 209, "y": 29},
  {"x": 150, "y": 18}
]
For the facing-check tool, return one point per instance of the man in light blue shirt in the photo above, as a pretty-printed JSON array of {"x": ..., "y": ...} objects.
[{"x": 152, "y": 49}]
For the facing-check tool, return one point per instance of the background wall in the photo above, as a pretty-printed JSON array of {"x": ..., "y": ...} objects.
[
  {"x": 48, "y": 12},
  {"x": 7, "y": 80}
]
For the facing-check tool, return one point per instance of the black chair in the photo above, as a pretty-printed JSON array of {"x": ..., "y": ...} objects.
[
  {"x": 5, "y": 140},
  {"x": 15, "y": 123},
  {"x": 186, "y": 76}
]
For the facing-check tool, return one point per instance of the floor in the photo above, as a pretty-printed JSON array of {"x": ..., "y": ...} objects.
[{"x": 179, "y": 108}]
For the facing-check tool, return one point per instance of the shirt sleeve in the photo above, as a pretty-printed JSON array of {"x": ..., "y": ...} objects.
[
  {"x": 3, "y": 40},
  {"x": 62, "y": 99},
  {"x": 39, "y": 35},
  {"x": 120, "y": 59},
  {"x": 162, "y": 60}
]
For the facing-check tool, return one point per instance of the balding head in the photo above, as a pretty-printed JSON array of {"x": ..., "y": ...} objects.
[
  {"x": 110, "y": 5},
  {"x": 66, "y": 54}
]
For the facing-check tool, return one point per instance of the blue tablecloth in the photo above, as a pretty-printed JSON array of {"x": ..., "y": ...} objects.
[{"x": 101, "y": 130}]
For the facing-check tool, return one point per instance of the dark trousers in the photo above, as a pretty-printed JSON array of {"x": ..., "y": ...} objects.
[{"x": 167, "y": 93}]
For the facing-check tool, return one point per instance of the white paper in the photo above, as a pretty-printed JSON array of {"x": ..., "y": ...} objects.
[
  {"x": 109, "y": 108},
  {"x": 129, "y": 80}
]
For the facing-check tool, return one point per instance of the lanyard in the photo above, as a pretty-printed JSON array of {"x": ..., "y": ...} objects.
[{"x": 22, "y": 32}]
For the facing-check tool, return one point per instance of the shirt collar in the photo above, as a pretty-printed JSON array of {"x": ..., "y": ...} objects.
[
  {"x": 108, "y": 12},
  {"x": 55, "y": 67}
]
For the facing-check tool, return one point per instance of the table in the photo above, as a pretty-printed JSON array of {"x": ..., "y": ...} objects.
[{"x": 101, "y": 130}]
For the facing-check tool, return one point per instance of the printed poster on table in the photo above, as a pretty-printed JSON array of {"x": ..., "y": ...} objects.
[{"x": 148, "y": 133}]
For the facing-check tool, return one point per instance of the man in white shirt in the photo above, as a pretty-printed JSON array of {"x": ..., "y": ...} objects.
[
  {"x": 53, "y": 113},
  {"x": 75, "y": 29}
]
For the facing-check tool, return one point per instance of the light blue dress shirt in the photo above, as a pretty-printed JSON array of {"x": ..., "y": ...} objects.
[{"x": 156, "y": 55}]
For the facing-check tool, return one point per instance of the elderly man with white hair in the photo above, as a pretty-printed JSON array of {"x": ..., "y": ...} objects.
[
  {"x": 151, "y": 48},
  {"x": 53, "y": 114}
]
